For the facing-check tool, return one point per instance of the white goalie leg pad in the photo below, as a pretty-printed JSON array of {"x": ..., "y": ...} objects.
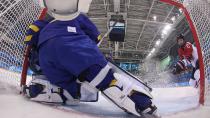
[
  {"x": 50, "y": 92},
  {"x": 197, "y": 75},
  {"x": 70, "y": 100},
  {"x": 195, "y": 82},
  {"x": 88, "y": 93},
  {"x": 100, "y": 76},
  {"x": 119, "y": 93},
  {"x": 128, "y": 85},
  {"x": 122, "y": 100}
]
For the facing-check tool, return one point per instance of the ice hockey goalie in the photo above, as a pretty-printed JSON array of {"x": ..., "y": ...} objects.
[{"x": 68, "y": 58}]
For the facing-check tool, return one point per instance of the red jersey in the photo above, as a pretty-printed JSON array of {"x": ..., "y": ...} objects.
[{"x": 185, "y": 51}]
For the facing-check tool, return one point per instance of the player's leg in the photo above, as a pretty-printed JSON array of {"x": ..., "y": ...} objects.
[
  {"x": 79, "y": 54},
  {"x": 40, "y": 89},
  {"x": 119, "y": 89},
  {"x": 58, "y": 84},
  {"x": 195, "y": 79},
  {"x": 84, "y": 55}
]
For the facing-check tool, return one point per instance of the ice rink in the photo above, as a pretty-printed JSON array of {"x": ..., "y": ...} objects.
[
  {"x": 172, "y": 103},
  {"x": 158, "y": 41}
]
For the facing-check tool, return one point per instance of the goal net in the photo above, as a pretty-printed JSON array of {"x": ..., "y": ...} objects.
[
  {"x": 197, "y": 13},
  {"x": 16, "y": 15},
  {"x": 200, "y": 13}
]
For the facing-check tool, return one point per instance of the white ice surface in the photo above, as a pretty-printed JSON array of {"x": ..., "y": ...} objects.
[{"x": 172, "y": 103}]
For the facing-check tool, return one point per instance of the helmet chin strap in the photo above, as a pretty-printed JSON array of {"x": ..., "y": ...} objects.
[{"x": 65, "y": 17}]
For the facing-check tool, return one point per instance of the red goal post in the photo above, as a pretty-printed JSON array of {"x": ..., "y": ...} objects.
[{"x": 26, "y": 55}]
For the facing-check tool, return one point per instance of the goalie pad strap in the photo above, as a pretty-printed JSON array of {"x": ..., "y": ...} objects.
[{"x": 100, "y": 76}]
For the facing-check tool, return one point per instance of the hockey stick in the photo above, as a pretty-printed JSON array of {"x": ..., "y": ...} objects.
[
  {"x": 106, "y": 34},
  {"x": 139, "y": 80},
  {"x": 26, "y": 55}
]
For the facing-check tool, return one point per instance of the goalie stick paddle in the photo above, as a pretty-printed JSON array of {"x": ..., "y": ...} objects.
[{"x": 26, "y": 55}]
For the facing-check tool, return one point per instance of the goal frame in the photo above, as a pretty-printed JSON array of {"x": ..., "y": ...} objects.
[
  {"x": 197, "y": 43},
  {"x": 195, "y": 36}
]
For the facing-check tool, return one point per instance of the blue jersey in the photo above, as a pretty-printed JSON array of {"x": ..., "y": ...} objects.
[
  {"x": 80, "y": 26},
  {"x": 69, "y": 46}
]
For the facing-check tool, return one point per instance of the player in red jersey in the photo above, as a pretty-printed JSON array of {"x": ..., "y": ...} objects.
[{"x": 188, "y": 56}]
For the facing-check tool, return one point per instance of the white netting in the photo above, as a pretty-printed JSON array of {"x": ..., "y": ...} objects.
[
  {"x": 15, "y": 17},
  {"x": 199, "y": 11}
]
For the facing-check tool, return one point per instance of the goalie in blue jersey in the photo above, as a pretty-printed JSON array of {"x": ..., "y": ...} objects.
[{"x": 68, "y": 56}]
